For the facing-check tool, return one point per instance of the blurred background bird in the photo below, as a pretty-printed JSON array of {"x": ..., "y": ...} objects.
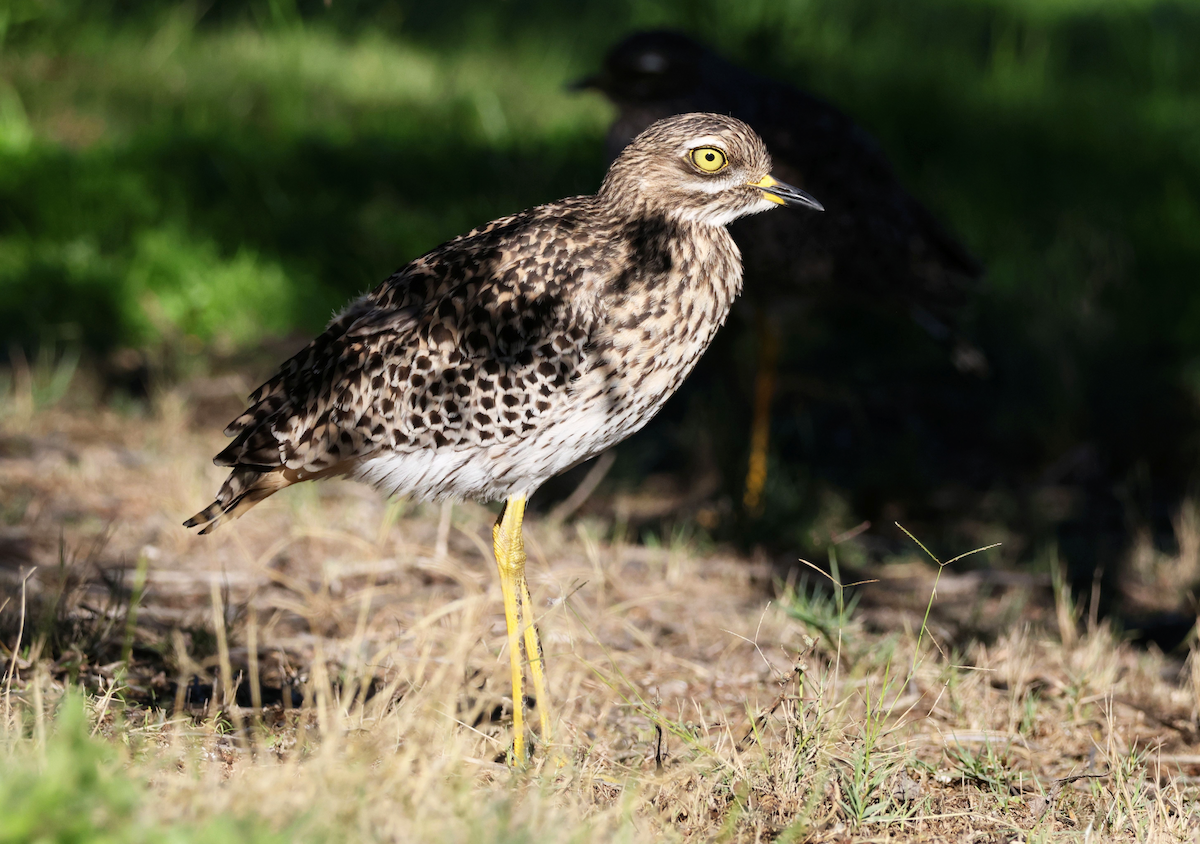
[{"x": 852, "y": 341}]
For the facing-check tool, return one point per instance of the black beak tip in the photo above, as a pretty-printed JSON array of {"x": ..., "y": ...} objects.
[
  {"x": 788, "y": 195},
  {"x": 796, "y": 198}
]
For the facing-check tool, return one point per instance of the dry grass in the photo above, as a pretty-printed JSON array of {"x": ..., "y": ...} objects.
[{"x": 695, "y": 698}]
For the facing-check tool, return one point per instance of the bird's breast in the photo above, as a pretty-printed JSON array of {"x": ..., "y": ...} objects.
[{"x": 662, "y": 322}]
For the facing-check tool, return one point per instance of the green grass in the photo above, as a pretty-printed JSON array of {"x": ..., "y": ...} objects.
[{"x": 220, "y": 183}]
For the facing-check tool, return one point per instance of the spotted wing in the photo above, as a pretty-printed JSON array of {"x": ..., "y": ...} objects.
[{"x": 474, "y": 344}]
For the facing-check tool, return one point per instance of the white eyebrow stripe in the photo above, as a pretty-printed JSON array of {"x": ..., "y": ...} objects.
[{"x": 706, "y": 141}]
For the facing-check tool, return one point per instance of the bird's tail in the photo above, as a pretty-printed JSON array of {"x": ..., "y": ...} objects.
[{"x": 244, "y": 488}]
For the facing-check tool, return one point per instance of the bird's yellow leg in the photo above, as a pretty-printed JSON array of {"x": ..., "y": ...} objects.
[
  {"x": 760, "y": 428},
  {"x": 537, "y": 663},
  {"x": 509, "y": 547}
]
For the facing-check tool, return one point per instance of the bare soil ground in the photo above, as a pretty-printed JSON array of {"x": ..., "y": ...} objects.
[{"x": 319, "y": 667}]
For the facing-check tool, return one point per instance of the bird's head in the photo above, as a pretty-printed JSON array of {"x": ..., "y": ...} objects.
[
  {"x": 705, "y": 168},
  {"x": 650, "y": 67}
]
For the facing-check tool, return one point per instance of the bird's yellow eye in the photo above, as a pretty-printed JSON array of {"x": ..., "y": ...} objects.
[{"x": 709, "y": 159}]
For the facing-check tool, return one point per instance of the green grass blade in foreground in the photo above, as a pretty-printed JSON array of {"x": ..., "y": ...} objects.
[{"x": 933, "y": 592}]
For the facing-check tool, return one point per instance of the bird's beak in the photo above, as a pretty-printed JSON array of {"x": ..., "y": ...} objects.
[
  {"x": 587, "y": 83},
  {"x": 785, "y": 194}
]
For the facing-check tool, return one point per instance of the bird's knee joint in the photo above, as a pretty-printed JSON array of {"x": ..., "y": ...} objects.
[{"x": 512, "y": 563}]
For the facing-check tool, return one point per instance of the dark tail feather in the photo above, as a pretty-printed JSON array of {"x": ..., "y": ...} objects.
[
  {"x": 244, "y": 488},
  {"x": 206, "y": 515}
]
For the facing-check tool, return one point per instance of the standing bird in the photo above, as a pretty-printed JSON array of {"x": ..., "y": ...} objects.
[
  {"x": 518, "y": 350},
  {"x": 877, "y": 257}
]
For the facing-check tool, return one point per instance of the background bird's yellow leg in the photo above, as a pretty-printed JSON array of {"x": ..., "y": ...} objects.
[
  {"x": 509, "y": 548},
  {"x": 760, "y": 428},
  {"x": 537, "y": 663}
]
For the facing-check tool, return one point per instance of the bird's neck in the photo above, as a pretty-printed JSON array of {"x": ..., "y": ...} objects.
[
  {"x": 670, "y": 251},
  {"x": 615, "y": 206}
]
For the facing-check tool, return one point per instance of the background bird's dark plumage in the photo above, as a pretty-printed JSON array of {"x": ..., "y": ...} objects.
[
  {"x": 869, "y": 305},
  {"x": 877, "y": 238}
]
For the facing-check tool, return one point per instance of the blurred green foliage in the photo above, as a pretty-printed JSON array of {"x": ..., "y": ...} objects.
[
  {"x": 172, "y": 174},
  {"x": 221, "y": 170}
]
